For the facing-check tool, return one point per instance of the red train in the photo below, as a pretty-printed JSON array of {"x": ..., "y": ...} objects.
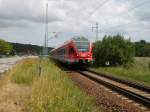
[{"x": 77, "y": 50}]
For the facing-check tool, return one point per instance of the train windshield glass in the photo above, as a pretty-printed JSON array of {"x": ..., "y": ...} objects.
[{"x": 82, "y": 44}]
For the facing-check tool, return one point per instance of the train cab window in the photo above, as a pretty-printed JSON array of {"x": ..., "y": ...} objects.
[
  {"x": 82, "y": 44},
  {"x": 71, "y": 51}
]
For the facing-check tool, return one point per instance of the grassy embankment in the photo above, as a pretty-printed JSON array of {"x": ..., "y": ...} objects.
[
  {"x": 139, "y": 71},
  {"x": 52, "y": 91}
]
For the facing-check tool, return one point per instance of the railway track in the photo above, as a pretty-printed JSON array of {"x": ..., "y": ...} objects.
[{"x": 134, "y": 91}]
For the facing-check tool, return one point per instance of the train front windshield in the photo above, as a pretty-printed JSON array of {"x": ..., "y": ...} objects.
[{"x": 82, "y": 46}]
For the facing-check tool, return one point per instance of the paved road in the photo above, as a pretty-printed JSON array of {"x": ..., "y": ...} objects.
[{"x": 7, "y": 63}]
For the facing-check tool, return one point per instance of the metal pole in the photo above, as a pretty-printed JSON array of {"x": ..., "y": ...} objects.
[
  {"x": 46, "y": 24},
  {"x": 96, "y": 31},
  {"x": 45, "y": 49}
]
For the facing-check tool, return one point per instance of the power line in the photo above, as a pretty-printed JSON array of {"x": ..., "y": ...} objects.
[
  {"x": 97, "y": 8},
  {"x": 92, "y": 13},
  {"x": 129, "y": 23},
  {"x": 139, "y": 5},
  {"x": 132, "y": 9}
]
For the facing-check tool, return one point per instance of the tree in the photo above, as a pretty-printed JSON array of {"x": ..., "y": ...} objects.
[
  {"x": 142, "y": 48},
  {"x": 22, "y": 49},
  {"x": 5, "y": 47},
  {"x": 113, "y": 50}
]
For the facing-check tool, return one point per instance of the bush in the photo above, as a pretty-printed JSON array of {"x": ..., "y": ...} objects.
[
  {"x": 113, "y": 51},
  {"x": 5, "y": 47}
]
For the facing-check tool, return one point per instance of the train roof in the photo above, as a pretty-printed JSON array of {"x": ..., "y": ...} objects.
[
  {"x": 77, "y": 39},
  {"x": 80, "y": 39},
  {"x": 74, "y": 39}
]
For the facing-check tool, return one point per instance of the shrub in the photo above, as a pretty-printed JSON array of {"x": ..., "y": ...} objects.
[
  {"x": 113, "y": 51},
  {"x": 5, "y": 47}
]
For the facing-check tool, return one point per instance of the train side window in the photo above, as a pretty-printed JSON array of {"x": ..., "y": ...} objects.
[{"x": 71, "y": 51}]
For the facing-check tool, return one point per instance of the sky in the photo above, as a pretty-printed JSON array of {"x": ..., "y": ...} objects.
[{"x": 23, "y": 21}]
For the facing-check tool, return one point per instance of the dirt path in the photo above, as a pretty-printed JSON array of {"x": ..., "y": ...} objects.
[{"x": 12, "y": 96}]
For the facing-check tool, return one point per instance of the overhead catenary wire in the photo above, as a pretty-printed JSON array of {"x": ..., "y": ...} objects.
[
  {"x": 104, "y": 2},
  {"x": 97, "y": 8},
  {"x": 90, "y": 14},
  {"x": 139, "y": 5},
  {"x": 130, "y": 10},
  {"x": 129, "y": 23}
]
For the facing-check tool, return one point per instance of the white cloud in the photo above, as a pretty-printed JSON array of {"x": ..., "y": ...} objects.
[{"x": 25, "y": 18}]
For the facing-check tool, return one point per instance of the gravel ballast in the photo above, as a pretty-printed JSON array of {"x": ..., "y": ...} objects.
[{"x": 109, "y": 100}]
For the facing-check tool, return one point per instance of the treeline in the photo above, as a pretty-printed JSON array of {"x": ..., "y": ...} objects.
[
  {"x": 23, "y": 49},
  {"x": 117, "y": 50},
  {"x": 8, "y": 48}
]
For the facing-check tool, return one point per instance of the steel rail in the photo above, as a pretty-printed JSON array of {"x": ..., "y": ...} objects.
[
  {"x": 123, "y": 81},
  {"x": 130, "y": 94}
]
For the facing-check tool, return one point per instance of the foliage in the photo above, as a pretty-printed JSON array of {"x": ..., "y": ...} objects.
[
  {"x": 113, "y": 50},
  {"x": 142, "y": 49},
  {"x": 21, "y": 49},
  {"x": 5, "y": 47}
]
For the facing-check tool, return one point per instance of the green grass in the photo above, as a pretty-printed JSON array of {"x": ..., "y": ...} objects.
[
  {"x": 139, "y": 71},
  {"x": 52, "y": 91},
  {"x": 25, "y": 71}
]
